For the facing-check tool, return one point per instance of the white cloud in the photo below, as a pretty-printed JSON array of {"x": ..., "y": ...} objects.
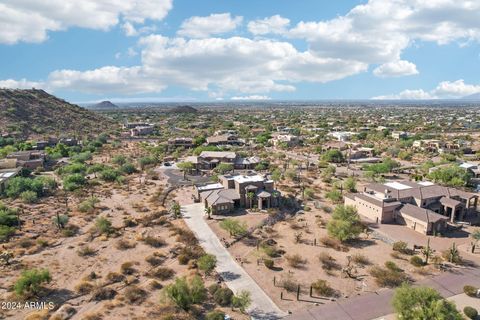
[
  {"x": 20, "y": 84},
  {"x": 456, "y": 89},
  {"x": 407, "y": 95},
  {"x": 214, "y": 24},
  {"x": 444, "y": 90},
  {"x": 379, "y": 31},
  {"x": 30, "y": 20},
  {"x": 129, "y": 29},
  {"x": 252, "y": 97},
  {"x": 272, "y": 25},
  {"x": 396, "y": 69},
  {"x": 131, "y": 52},
  {"x": 218, "y": 66},
  {"x": 110, "y": 79},
  {"x": 238, "y": 64}
]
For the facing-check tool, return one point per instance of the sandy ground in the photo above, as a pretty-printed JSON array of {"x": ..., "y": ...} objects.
[
  {"x": 376, "y": 251},
  {"x": 134, "y": 201}
]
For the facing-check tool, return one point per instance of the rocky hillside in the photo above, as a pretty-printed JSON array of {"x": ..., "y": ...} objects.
[
  {"x": 183, "y": 109},
  {"x": 103, "y": 106},
  {"x": 34, "y": 112}
]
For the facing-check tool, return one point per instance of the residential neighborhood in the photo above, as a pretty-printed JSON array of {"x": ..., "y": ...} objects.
[{"x": 240, "y": 160}]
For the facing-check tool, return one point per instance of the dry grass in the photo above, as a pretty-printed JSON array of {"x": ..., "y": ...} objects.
[{"x": 296, "y": 260}]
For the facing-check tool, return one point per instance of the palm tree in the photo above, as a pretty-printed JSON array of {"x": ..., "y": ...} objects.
[
  {"x": 250, "y": 196},
  {"x": 176, "y": 209}
]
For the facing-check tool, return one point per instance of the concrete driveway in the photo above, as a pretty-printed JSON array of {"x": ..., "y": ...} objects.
[{"x": 235, "y": 277}]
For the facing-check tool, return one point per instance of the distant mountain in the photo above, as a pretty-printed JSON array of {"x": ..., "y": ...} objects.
[
  {"x": 103, "y": 105},
  {"x": 183, "y": 109},
  {"x": 475, "y": 96},
  {"x": 34, "y": 112}
]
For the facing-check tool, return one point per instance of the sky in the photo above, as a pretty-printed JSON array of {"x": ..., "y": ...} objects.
[{"x": 214, "y": 50}]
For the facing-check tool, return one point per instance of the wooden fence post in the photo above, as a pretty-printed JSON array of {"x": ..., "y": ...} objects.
[{"x": 298, "y": 292}]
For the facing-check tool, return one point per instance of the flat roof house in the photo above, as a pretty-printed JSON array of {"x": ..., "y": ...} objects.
[
  {"x": 141, "y": 131},
  {"x": 28, "y": 159},
  {"x": 209, "y": 160},
  {"x": 423, "y": 206},
  {"x": 238, "y": 191},
  {"x": 288, "y": 139},
  {"x": 5, "y": 176},
  {"x": 174, "y": 143},
  {"x": 224, "y": 139}
]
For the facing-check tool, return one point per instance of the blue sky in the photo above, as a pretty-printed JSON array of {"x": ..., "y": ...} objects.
[{"x": 167, "y": 50}]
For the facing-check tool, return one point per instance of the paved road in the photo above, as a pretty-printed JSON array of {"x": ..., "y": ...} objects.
[
  {"x": 235, "y": 277},
  {"x": 376, "y": 305}
]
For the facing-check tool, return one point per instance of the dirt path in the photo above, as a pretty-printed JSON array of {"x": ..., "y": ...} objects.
[{"x": 235, "y": 277}]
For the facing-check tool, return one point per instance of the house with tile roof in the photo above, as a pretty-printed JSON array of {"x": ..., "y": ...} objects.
[
  {"x": 238, "y": 191},
  {"x": 422, "y": 206}
]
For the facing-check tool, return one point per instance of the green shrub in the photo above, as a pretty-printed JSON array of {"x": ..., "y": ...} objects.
[
  {"x": 184, "y": 293},
  {"x": 223, "y": 296},
  {"x": 268, "y": 263},
  {"x": 400, "y": 246},
  {"x": 470, "y": 312},
  {"x": 322, "y": 288},
  {"x": 30, "y": 281},
  {"x": 417, "y": 261},
  {"x": 390, "y": 265},
  {"x": 6, "y": 232},
  {"x": 104, "y": 225},
  {"x": 88, "y": 205},
  {"x": 386, "y": 277},
  {"x": 242, "y": 300},
  {"x": 74, "y": 181},
  {"x": 470, "y": 291},
  {"x": 213, "y": 288},
  {"x": 345, "y": 223},
  {"x": 29, "y": 196},
  {"x": 215, "y": 315},
  {"x": 207, "y": 263}
]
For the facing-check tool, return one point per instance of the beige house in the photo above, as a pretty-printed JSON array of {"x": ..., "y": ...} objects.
[
  {"x": 209, "y": 160},
  {"x": 224, "y": 139},
  {"x": 287, "y": 139},
  {"x": 182, "y": 142},
  {"x": 424, "y": 207},
  {"x": 238, "y": 191},
  {"x": 28, "y": 159}
]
